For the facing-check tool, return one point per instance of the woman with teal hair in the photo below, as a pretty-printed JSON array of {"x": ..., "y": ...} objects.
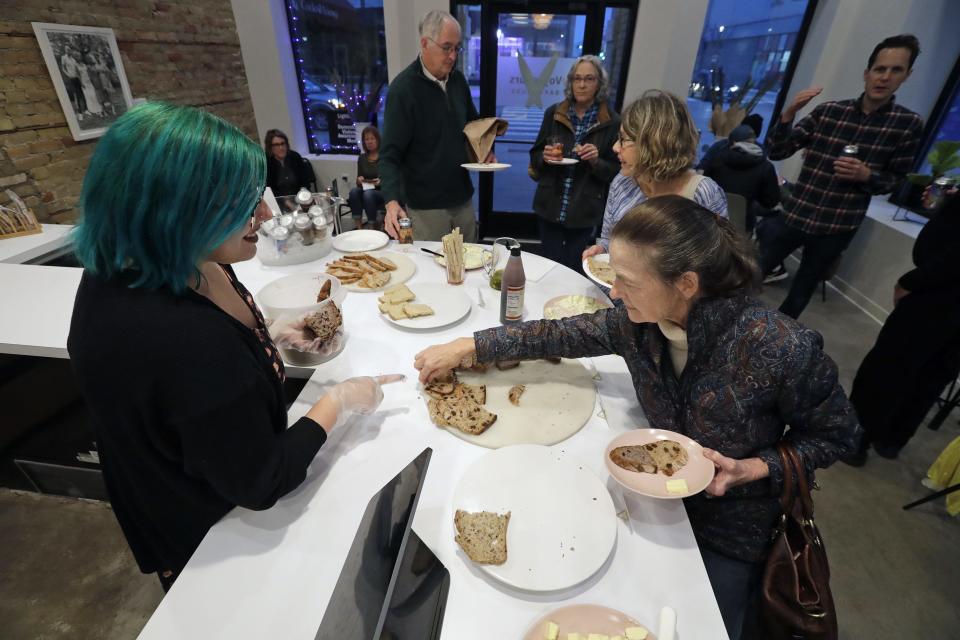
[{"x": 171, "y": 353}]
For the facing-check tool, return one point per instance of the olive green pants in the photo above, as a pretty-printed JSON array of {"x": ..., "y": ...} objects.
[{"x": 433, "y": 224}]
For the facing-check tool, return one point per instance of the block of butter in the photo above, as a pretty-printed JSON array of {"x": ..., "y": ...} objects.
[
  {"x": 552, "y": 631},
  {"x": 678, "y": 486},
  {"x": 598, "y": 636},
  {"x": 639, "y": 633},
  {"x": 617, "y": 638},
  {"x": 574, "y": 636}
]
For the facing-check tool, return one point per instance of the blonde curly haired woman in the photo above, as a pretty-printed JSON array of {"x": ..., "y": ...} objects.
[{"x": 657, "y": 149}]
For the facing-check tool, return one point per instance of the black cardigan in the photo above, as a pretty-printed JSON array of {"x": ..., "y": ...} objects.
[
  {"x": 301, "y": 168},
  {"x": 937, "y": 253},
  {"x": 188, "y": 413}
]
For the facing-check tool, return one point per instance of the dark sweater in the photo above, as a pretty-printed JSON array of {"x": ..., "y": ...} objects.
[
  {"x": 423, "y": 140},
  {"x": 744, "y": 169},
  {"x": 294, "y": 163},
  {"x": 937, "y": 253},
  {"x": 750, "y": 372},
  {"x": 188, "y": 413}
]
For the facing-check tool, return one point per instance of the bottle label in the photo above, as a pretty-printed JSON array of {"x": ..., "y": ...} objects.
[{"x": 513, "y": 311}]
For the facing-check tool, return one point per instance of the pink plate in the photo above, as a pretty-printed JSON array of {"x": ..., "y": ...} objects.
[
  {"x": 584, "y": 619},
  {"x": 698, "y": 472}
]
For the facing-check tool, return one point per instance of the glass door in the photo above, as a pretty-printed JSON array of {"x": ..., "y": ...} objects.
[{"x": 516, "y": 58}]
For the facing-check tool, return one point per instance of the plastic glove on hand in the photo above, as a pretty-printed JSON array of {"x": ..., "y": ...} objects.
[
  {"x": 295, "y": 335},
  {"x": 359, "y": 395}
]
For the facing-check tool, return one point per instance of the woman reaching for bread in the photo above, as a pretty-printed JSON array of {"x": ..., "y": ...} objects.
[
  {"x": 707, "y": 361},
  {"x": 182, "y": 380}
]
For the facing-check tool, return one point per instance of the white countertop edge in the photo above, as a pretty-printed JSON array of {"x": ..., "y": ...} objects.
[{"x": 25, "y": 248}]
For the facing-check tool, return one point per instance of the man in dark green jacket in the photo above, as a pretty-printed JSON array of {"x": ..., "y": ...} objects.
[{"x": 423, "y": 141}]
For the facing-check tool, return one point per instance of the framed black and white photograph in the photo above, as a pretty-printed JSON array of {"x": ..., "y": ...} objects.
[{"x": 87, "y": 72}]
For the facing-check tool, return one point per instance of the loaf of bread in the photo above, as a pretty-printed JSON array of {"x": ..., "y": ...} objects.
[{"x": 482, "y": 535}]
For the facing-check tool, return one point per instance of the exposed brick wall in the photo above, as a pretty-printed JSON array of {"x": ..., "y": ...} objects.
[{"x": 181, "y": 51}]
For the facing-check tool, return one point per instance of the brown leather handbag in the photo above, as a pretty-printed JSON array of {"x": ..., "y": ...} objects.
[{"x": 796, "y": 601}]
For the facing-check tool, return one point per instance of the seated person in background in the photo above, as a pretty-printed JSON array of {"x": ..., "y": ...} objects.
[
  {"x": 656, "y": 148},
  {"x": 287, "y": 171},
  {"x": 366, "y": 196},
  {"x": 742, "y": 168},
  {"x": 683, "y": 274},
  {"x": 172, "y": 355},
  {"x": 754, "y": 121}
]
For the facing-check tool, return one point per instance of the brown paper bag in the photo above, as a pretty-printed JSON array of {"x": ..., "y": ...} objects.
[{"x": 481, "y": 134}]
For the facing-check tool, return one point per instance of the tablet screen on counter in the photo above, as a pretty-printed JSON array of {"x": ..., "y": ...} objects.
[{"x": 391, "y": 585}]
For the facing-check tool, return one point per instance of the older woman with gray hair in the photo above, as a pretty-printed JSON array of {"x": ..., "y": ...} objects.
[{"x": 573, "y": 162}]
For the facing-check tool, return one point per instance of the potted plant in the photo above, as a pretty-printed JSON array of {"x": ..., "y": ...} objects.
[
  {"x": 723, "y": 122},
  {"x": 943, "y": 158}
]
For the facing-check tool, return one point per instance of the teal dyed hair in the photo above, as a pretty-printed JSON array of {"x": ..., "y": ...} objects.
[{"x": 166, "y": 185}]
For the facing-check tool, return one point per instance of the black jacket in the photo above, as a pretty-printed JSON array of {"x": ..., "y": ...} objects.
[
  {"x": 937, "y": 253},
  {"x": 423, "y": 140},
  {"x": 301, "y": 167},
  {"x": 188, "y": 413},
  {"x": 744, "y": 169},
  {"x": 588, "y": 194}
]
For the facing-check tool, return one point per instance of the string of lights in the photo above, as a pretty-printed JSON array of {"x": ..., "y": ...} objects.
[{"x": 354, "y": 101}]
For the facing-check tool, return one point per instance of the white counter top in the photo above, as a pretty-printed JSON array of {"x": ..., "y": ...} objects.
[
  {"x": 271, "y": 573},
  {"x": 37, "y": 303},
  {"x": 25, "y": 248}
]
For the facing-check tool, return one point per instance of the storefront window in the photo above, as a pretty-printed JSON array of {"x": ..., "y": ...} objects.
[
  {"x": 743, "y": 59},
  {"x": 948, "y": 128},
  {"x": 341, "y": 58}
]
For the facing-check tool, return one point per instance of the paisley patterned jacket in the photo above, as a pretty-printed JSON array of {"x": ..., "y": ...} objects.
[{"x": 750, "y": 373}]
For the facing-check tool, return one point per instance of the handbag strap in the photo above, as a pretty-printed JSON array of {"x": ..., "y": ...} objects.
[
  {"x": 793, "y": 465},
  {"x": 786, "y": 498}
]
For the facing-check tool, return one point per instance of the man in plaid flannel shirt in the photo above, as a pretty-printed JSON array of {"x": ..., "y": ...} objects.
[{"x": 831, "y": 197}]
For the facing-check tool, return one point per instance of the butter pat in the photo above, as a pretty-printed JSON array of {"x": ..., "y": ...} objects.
[
  {"x": 617, "y": 638},
  {"x": 639, "y": 633},
  {"x": 673, "y": 486},
  {"x": 598, "y": 636},
  {"x": 552, "y": 631},
  {"x": 574, "y": 636}
]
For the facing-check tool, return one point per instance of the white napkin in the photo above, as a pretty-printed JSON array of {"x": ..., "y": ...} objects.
[{"x": 534, "y": 271}]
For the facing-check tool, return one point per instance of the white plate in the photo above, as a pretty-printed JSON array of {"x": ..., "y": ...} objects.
[
  {"x": 558, "y": 401},
  {"x": 485, "y": 166},
  {"x": 474, "y": 255},
  {"x": 565, "y": 161},
  {"x": 449, "y": 304},
  {"x": 602, "y": 257},
  {"x": 562, "y": 525},
  {"x": 404, "y": 271},
  {"x": 698, "y": 472},
  {"x": 360, "y": 240}
]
